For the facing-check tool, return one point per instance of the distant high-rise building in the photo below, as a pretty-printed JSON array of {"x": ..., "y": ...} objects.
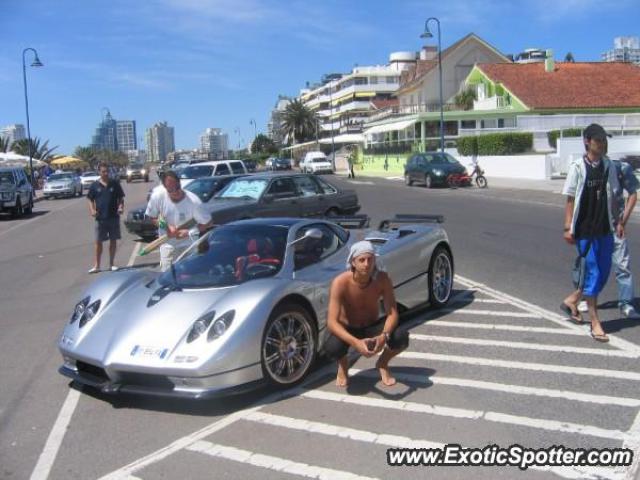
[
  {"x": 105, "y": 137},
  {"x": 213, "y": 141},
  {"x": 274, "y": 127},
  {"x": 625, "y": 49},
  {"x": 137, "y": 156},
  {"x": 160, "y": 141},
  {"x": 126, "y": 135},
  {"x": 13, "y": 133}
]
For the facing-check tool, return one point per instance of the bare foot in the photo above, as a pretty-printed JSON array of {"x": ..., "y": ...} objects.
[
  {"x": 385, "y": 375},
  {"x": 342, "y": 380}
]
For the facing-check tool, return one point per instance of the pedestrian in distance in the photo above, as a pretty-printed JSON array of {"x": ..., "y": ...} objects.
[
  {"x": 169, "y": 209},
  {"x": 621, "y": 260},
  {"x": 350, "y": 160},
  {"x": 353, "y": 315},
  {"x": 106, "y": 204},
  {"x": 589, "y": 223}
]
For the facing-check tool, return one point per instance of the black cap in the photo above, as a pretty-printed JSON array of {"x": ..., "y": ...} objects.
[{"x": 596, "y": 132}]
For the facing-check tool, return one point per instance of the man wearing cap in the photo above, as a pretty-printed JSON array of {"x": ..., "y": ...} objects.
[
  {"x": 590, "y": 218},
  {"x": 353, "y": 315}
]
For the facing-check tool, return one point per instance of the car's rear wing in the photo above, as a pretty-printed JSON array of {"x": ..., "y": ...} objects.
[
  {"x": 351, "y": 221},
  {"x": 404, "y": 218}
]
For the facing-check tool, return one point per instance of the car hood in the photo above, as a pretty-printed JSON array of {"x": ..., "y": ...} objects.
[
  {"x": 58, "y": 183},
  {"x": 451, "y": 168},
  {"x": 127, "y": 322}
]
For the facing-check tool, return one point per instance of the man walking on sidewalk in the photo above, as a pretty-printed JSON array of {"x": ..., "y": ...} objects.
[{"x": 106, "y": 203}]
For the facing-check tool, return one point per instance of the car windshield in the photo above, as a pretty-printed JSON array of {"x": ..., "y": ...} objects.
[
  {"x": 244, "y": 188},
  {"x": 202, "y": 188},
  {"x": 6, "y": 178},
  {"x": 89, "y": 174},
  {"x": 196, "y": 171},
  {"x": 446, "y": 158},
  {"x": 230, "y": 255},
  {"x": 61, "y": 176},
  {"x": 320, "y": 160}
]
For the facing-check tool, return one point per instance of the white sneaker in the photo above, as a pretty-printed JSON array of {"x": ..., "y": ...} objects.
[
  {"x": 628, "y": 311},
  {"x": 93, "y": 270},
  {"x": 114, "y": 268},
  {"x": 582, "y": 307}
]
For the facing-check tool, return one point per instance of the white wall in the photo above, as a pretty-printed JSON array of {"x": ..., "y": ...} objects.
[
  {"x": 533, "y": 167},
  {"x": 572, "y": 146}
]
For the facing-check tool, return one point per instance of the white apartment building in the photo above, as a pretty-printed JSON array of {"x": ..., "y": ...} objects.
[
  {"x": 126, "y": 135},
  {"x": 137, "y": 156},
  {"x": 13, "y": 133},
  {"x": 274, "y": 127},
  {"x": 625, "y": 49},
  {"x": 213, "y": 141},
  {"x": 343, "y": 102},
  {"x": 160, "y": 141}
]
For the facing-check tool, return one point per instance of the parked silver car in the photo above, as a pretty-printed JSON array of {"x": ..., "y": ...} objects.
[
  {"x": 16, "y": 193},
  {"x": 66, "y": 184},
  {"x": 246, "y": 304}
]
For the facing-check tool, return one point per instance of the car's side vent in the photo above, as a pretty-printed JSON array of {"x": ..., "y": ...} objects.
[
  {"x": 377, "y": 240},
  {"x": 404, "y": 233}
]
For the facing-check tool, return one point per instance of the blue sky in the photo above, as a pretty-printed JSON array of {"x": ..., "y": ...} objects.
[{"x": 221, "y": 63}]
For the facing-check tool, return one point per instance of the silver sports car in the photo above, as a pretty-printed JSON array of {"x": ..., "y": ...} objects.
[{"x": 245, "y": 304}]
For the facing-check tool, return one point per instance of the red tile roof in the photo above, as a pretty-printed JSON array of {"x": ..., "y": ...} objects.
[{"x": 570, "y": 85}]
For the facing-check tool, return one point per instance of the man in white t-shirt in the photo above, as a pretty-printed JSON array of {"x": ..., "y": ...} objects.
[{"x": 169, "y": 208}]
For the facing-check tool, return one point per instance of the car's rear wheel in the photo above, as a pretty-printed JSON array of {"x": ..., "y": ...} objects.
[
  {"x": 17, "y": 210},
  {"x": 427, "y": 181},
  {"x": 407, "y": 180},
  {"x": 440, "y": 277},
  {"x": 288, "y": 348},
  {"x": 29, "y": 208},
  {"x": 332, "y": 212}
]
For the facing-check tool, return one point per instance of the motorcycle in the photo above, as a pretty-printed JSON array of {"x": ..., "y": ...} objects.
[{"x": 464, "y": 179}]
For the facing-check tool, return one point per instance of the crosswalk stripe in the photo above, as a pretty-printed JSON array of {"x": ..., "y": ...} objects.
[
  {"x": 506, "y": 388},
  {"x": 270, "y": 462},
  {"x": 551, "y": 425},
  {"x": 538, "y": 367},
  {"x": 524, "y": 345},
  {"x": 506, "y": 328},
  {"x": 481, "y": 300},
  {"x": 491, "y": 313}
]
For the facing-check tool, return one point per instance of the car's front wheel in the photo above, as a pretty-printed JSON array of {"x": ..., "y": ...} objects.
[
  {"x": 17, "y": 210},
  {"x": 407, "y": 180},
  {"x": 288, "y": 348},
  {"x": 428, "y": 182},
  {"x": 440, "y": 277},
  {"x": 29, "y": 208}
]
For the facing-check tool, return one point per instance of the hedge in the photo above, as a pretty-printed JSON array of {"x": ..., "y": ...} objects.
[
  {"x": 567, "y": 132},
  {"x": 495, "y": 144}
]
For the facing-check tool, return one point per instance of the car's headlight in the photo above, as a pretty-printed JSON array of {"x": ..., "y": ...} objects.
[
  {"x": 143, "y": 171},
  {"x": 437, "y": 172},
  {"x": 221, "y": 325},
  {"x": 89, "y": 313},
  {"x": 200, "y": 326},
  {"x": 129, "y": 172},
  {"x": 79, "y": 309}
]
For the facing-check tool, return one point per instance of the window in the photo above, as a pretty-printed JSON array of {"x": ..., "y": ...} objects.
[
  {"x": 373, "y": 80},
  {"x": 282, "y": 187},
  {"x": 470, "y": 124},
  {"x": 312, "y": 251},
  {"x": 392, "y": 79},
  {"x": 237, "y": 167},
  {"x": 222, "y": 169},
  {"x": 361, "y": 80},
  {"x": 326, "y": 187},
  {"x": 306, "y": 186}
]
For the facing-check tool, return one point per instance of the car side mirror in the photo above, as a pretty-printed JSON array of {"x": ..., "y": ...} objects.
[{"x": 312, "y": 233}]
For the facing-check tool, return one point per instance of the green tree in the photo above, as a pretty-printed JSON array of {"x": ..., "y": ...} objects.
[
  {"x": 38, "y": 150},
  {"x": 299, "y": 122},
  {"x": 4, "y": 144},
  {"x": 87, "y": 154},
  {"x": 466, "y": 98},
  {"x": 263, "y": 144},
  {"x": 569, "y": 58}
]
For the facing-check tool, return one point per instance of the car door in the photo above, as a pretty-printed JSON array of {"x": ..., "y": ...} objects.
[
  {"x": 280, "y": 199},
  {"x": 312, "y": 201},
  {"x": 420, "y": 165}
]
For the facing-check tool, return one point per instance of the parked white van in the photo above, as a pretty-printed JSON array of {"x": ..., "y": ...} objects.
[
  {"x": 316, "y": 162},
  {"x": 210, "y": 169}
]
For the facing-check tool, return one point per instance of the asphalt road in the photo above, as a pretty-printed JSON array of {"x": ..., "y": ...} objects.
[{"x": 501, "y": 366}]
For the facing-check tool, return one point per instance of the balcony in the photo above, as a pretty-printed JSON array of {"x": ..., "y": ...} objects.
[{"x": 491, "y": 103}]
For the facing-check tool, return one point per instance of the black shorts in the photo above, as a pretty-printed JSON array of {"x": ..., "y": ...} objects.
[
  {"x": 334, "y": 348},
  {"x": 108, "y": 229}
]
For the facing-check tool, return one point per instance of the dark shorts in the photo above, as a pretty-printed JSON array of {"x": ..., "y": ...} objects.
[
  {"x": 108, "y": 229},
  {"x": 334, "y": 348}
]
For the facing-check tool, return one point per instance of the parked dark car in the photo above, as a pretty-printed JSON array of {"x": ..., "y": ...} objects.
[
  {"x": 431, "y": 168},
  {"x": 205, "y": 188},
  {"x": 281, "y": 164},
  {"x": 251, "y": 165}
]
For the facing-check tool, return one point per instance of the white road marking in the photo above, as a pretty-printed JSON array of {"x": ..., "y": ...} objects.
[
  {"x": 491, "y": 313},
  {"x": 524, "y": 346},
  {"x": 361, "y": 182},
  {"x": 544, "y": 313},
  {"x": 505, "y": 328},
  {"x": 52, "y": 445},
  {"x": 272, "y": 463},
  {"x": 486, "y": 300},
  {"x": 537, "y": 367},
  {"x": 506, "y": 388},
  {"x": 539, "y": 423}
]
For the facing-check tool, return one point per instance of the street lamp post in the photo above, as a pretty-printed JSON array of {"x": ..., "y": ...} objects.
[
  {"x": 428, "y": 34},
  {"x": 36, "y": 63},
  {"x": 255, "y": 132},
  {"x": 333, "y": 145}
]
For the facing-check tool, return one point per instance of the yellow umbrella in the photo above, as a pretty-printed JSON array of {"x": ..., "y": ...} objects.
[{"x": 69, "y": 162}]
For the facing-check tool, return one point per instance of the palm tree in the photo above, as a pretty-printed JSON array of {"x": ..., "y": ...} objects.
[
  {"x": 87, "y": 154},
  {"x": 569, "y": 58},
  {"x": 4, "y": 144},
  {"x": 41, "y": 152},
  {"x": 465, "y": 98},
  {"x": 298, "y": 123}
]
